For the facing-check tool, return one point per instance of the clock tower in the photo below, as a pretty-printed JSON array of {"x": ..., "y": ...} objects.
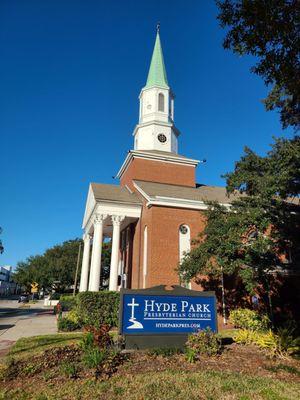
[{"x": 156, "y": 129}]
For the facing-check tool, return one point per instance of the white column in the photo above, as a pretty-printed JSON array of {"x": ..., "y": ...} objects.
[
  {"x": 114, "y": 263},
  {"x": 85, "y": 263},
  {"x": 96, "y": 253}
]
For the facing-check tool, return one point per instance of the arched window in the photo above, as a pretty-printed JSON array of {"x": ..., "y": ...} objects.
[
  {"x": 145, "y": 256},
  {"x": 161, "y": 102},
  {"x": 184, "y": 241},
  {"x": 184, "y": 245}
]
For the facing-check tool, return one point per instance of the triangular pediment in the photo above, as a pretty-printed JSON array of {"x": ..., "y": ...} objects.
[{"x": 89, "y": 206}]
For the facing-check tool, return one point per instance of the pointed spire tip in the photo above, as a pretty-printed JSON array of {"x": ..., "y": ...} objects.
[{"x": 157, "y": 75}]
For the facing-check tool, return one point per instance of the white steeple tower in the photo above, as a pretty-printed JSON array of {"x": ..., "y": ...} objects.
[{"x": 156, "y": 129}]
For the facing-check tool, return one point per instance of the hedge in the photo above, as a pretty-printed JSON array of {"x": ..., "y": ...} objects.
[
  {"x": 68, "y": 302},
  {"x": 97, "y": 308},
  {"x": 65, "y": 324}
]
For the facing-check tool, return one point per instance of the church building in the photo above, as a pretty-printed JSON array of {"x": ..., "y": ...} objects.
[{"x": 157, "y": 208}]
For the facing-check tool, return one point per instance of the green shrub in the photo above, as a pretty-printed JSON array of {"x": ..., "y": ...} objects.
[
  {"x": 98, "y": 351},
  {"x": 249, "y": 319},
  {"x": 190, "y": 355},
  {"x": 277, "y": 345},
  {"x": 98, "y": 308},
  {"x": 204, "y": 342},
  {"x": 64, "y": 324},
  {"x": 74, "y": 317},
  {"x": 94, "y": 357},
  {"x": 288, "y": 343},
  {"x": 87, "y": 342},
  {"x": 68, "y": 302}
]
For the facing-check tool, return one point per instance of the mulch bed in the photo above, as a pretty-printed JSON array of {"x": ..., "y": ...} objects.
[
  {"x": 235, "y": 358},
  {"x": 50, "y": 358}
]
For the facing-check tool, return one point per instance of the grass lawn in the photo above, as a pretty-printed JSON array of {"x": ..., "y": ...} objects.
[
  {"x": 166, "y": 385},
  {"x": 27, "y": 347},
  {"x": 240, "y": 373}
]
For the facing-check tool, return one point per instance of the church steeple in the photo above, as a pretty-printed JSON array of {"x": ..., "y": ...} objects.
[
  {"x": 156, "y": 129},
  {"x": 157, "y": 75}
]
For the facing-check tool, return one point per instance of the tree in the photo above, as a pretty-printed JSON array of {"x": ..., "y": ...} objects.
[
  {"x": 56, "y": 266},
  {"x": 24, "y": 275},
  {"x": 105, "y": 262},
  {"x": 269, "y": 31},
  {"x": 260, "y": 231},
  {"x": 274, "y": 182},
  {"x": 277, "y": 174}
]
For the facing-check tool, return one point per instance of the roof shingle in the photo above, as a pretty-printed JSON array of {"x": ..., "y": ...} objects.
[
  {"x": 201, "y": 193},
  {"x": 114, "y": 193}
]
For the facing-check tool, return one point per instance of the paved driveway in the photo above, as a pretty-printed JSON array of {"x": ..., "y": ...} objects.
[{"x": 17, "y": 320}]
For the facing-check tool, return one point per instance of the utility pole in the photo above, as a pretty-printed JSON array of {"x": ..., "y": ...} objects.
[{"x": 77, "y": 267}]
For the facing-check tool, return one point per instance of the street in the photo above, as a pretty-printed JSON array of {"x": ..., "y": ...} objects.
[{"x": 23, "y": 320}]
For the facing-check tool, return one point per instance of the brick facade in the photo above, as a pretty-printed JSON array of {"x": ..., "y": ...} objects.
[
  {"x": 163, "y": 244},
  {"x": 163, "y": 241},
  {"x": 158, "y": 171},
  {"x": 162, "y": 224}
]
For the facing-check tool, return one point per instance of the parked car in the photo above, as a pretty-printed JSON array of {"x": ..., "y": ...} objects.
[{"x": 23, "y": 298}]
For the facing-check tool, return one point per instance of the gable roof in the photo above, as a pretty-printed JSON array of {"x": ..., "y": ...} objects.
[
  {"x": 114, "y": 193},
  {"x": 201, "y": 194}
]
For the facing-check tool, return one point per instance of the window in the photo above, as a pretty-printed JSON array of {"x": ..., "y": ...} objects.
[
  {"x": 184, "y": 246},
  {"x": 161, "y": 102},
  {"x": 184, "y": 241},
  {"x": 145, "y": 251}
]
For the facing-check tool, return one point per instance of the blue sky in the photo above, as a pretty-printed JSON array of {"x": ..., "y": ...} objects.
[{"x": 70, "y": 76}]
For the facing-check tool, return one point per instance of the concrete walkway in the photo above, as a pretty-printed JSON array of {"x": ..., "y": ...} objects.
[{"x": 18, "y": 320}]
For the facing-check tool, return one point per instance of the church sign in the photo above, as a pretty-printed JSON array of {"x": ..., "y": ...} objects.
[{"x": 158, "y": 317}]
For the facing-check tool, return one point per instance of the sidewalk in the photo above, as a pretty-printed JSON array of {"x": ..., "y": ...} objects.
[{"x": 27, "y": 321}]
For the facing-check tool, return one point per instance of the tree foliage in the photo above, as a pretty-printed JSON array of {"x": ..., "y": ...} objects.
[
  {"x": 56, "y": 267},
  {"x": 277, "y": 174},
  {"x": 269, "y": 31},
  {"x": 261, "y": 229},
  {"x": 105, "y": 262}
]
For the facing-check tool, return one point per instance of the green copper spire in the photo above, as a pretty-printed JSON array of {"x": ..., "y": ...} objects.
[{"x": 157, "y": 75}]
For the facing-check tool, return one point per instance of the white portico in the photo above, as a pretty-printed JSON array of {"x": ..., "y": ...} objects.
[{"x": 109, "y": 210}]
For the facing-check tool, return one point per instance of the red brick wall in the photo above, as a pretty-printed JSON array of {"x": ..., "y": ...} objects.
[
  {"x": 163, "y": 244},
  {"x": 156, "y": 171},
  {"x": 138, "y": 245}
]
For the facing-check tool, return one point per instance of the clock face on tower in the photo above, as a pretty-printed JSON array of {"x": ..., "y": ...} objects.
[{"x": 162, "y": 138}]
